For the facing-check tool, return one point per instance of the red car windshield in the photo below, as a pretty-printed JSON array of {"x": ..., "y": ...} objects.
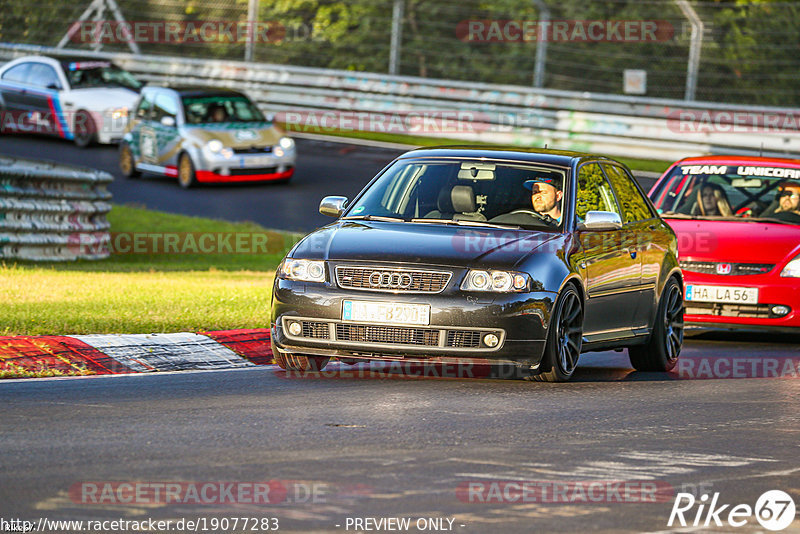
[{"x": 700, "y": 191}]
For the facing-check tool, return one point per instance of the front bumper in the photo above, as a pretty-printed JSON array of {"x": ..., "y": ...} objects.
[
  {"x": 458, "y": 323},
  {"x": 260, "y": 166},
  {"x": 772, "y": 290},
  {"x": 111, "y": 129}
]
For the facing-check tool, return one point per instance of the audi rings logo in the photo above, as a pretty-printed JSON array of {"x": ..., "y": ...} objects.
[{"x": 390, "y": 280}]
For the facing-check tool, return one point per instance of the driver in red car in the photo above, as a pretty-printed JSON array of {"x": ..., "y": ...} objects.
[
  {"x": 789, "y": 198},
  {"x": 546, "y": 196}
]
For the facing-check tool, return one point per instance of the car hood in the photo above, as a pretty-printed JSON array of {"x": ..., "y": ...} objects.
[
  {"x": 101, "y": 98},
  {"x": 431, "y": 244},
  {"x": 735, "y": 241},
  {"x": 237, "y": 134}
]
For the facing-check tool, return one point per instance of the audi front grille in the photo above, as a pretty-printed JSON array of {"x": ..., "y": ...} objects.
[{"x": 392, "y": 280}]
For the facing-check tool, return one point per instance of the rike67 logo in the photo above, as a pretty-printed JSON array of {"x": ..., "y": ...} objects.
[{"x": 774, "y": 510}]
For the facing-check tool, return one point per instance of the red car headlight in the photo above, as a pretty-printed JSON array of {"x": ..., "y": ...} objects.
[{"x": 792, "y": 269}]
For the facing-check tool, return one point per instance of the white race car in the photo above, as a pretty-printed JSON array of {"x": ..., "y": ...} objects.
[{"x": 85, "y": 100}]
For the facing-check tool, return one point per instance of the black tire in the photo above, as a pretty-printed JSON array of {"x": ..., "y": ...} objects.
[
  {"x": 295, "y": 362},
  {"x": 662, "y": 350},
  {"x": 187, "y": 177},
  {"x": 127, "y": 165},
  {"x": 564, "y": 338},
  {"x": 85, "y": 129}
]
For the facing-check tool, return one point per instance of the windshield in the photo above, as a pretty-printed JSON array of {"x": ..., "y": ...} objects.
[
  {"x": 220, "y": 108},
  {"x": 470, "y": 192},
  {"x": 85, "y": 74},
  {"x": 730, "y": 192}
]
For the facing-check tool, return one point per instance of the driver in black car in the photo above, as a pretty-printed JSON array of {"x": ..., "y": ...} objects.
[{"x": 546, "y": 196}]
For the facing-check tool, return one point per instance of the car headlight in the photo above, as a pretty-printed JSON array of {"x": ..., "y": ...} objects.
[
  {"x": 287, "y": 143},
  {"x": 117, "y": 113},
  {"x": 303, "y": 270},
  {"x": 792, "y": 269},
  {"x": 498, "y": 281},
  {"x": 215, "y": 146}
]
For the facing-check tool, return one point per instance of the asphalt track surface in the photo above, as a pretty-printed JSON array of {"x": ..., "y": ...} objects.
[
  {"x": 323, "y": 168},
  {"x": 392, "y": 444},
  {"x": 400, "y": 446}
]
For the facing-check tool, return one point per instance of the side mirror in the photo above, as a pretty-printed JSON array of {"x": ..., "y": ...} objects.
[
  {"x": 54, "y": 86},
  {"x": 602, "y": 220},
  {"x": 332, "y": 206},
  {"x": 168, "y": 121}
]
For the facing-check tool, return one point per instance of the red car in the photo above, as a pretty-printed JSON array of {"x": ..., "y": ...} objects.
[{"x": 738, "y": 225}]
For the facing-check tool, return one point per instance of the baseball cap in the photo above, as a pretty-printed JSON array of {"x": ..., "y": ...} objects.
[{"x": 555, "y": 181}]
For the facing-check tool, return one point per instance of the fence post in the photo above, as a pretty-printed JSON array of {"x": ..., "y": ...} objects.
[
  {"x": 252, "y": 16},
  {"x": 693, "y": 65},
  {"x": 397, "y": 36},
  {"x": 541, "y": 44}
]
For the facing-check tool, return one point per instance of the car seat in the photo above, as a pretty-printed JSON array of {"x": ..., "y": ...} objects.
[{"x": 463, "y": 199}]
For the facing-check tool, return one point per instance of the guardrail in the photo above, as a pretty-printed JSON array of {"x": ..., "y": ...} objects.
[
  {"x": 609, "y": 124},
  {"x": 52, "y": 212}
]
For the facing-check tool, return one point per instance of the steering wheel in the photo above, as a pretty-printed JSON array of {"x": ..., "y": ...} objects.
[
  {"x": 744, "y": 212},
  {"x": 542, "y": 217}
]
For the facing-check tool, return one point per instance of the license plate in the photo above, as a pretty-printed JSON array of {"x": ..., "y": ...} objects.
[
  {"x": 255, "y": 161},
  {"x": 725, "y": 294},
  {"x": 386, "y": 312}
]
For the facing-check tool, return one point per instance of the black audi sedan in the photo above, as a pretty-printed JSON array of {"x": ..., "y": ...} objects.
[{"x": 523, "y": 256}]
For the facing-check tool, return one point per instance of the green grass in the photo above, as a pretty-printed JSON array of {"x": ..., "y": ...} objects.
[
  {"x": 651, "y": 165},
  {"x": 10, "y": 370},
  {"x": 143, "y": 293}
]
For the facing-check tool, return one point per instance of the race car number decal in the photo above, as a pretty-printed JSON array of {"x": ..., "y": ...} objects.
[{"x": 148, "y": 145}]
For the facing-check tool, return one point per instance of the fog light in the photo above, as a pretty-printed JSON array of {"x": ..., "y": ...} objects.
[
  {"x": 295, "y": 328},
  {"x": 490, "y": 340},
  {"x": 780, "y": 311}
]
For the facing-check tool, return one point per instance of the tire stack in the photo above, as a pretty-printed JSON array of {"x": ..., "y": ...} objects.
[{"x": 53, "y": 212}]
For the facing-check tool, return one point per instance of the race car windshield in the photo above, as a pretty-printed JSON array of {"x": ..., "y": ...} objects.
[
  {"x": 466, "y": 192},
  {"x": 211, "y": 109},
  {"x": 732, "y": 192},
  {"x": 87, "y": 74}
]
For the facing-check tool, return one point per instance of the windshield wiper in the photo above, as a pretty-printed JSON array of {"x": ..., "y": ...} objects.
[
  {"x": 466, "y": 223},
  {"x": 372, "y": 218}
]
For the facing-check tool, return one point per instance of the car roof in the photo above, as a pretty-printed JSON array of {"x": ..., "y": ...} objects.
[
  {"x": 735, "y": 160},
  {"x": 193, "y": 90},
  {"x": 41, "y": 59},
  {"x": 562, "y": 158}
]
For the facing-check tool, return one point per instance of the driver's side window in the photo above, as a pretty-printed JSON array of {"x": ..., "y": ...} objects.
[{"x": 594, "y": 192}]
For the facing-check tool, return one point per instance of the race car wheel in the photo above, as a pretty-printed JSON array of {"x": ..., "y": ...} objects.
[
  {"x": 126, "y": 162},
  {"x": 294, "y": 362},
  {"x": 186, "y": 175},
  {"x": 564, "y": 338},
  {"x": 85, "y": 129},
  {"x": 661, "y": 352}
]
